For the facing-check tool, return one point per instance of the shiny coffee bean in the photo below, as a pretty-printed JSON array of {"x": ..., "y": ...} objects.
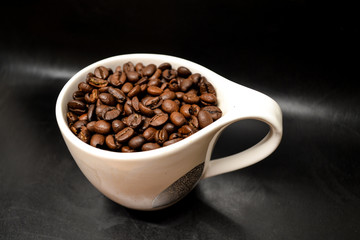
[
  {"x": 111, "y": 143},
  {"x": 101, "y": 72},
  {"x": 117, "y": 125},
  {"x": 150, "y": 146},
  {"x": 136, "y": 142},
  {"x": 149, "y": 134},
  {"x": 154, "y": 90},
  {"x": 102, "y": 127},
  {"x": 177, "y": 119},
  {"x": 84, "y": 134},
  {"x": 161, "y": 136},
  {"x": 159, "y": 120},
  {"x": 126, "y": 88},
  {"x": 172, "y": 141},
  {"x": 134, "y": 120},
  {"x": 169, "y": 106},
  {"x": 71, "y": 117},
  {"x": 97, "y": 140},
  {"x": 133, "y": 76},
  {"x": 117, "y": 93},
  {"x": 149, "y": 70},
  {"x": 208, "y": 99},
  {"x": 204, "y": 118},
  {"x": 214, "y": 111},
  {"x": 183, "y": 71},
  {"x": 91, "y": 126},
  {"x": 124, "y": 135},
  {"x": 108, "y": 99},
  {"x": 164, "y": 66}
]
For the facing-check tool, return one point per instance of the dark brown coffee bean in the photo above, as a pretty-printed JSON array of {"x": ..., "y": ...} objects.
[
  {"x": 175, "y": 135},
  {"x": 161, "y": 136},
  {"x": 205, "y": 86},
  {"x": 77, "y": 106},
  {"x": 154, "y": 82},
  {"x": 164, "y": 86},
  {"x": 208, "y": 99},
  {"x": 172, "y": 141},
  {"x": 214, "y": 111},
  {"x": 128, "y": 67},
  {"x": 191, "y": 98},
  {"x": 177, "y": 119},
  {"x": 145, "y": 123},
  {"x": 99, "y": 110},
  {"x": 126, "y": 88},
  {"x": 92, "y": 97},
  {"x": 142, "y": 81},
  {"x": 133, "y": 76},
  {"x": 91, "y": 126},
  {"x": 179, "y": 95},
  {"x": 185, "y": 110},
  {"x": 111, "y": 143},
  {"x": 76, "y": 127},
  {"x": 84, "y": 87},
  {"x": 174, "y": 85},
  {"x": 84, "y": 134},
  {"x": 127, "y": 149},
  {"x": 150, "y": 146},
  {"x": 110, "y": 113},
  {"x": 102, "y": 127},
  {"x": 204, "y": 118},
  {"x": 135, "y": 103},
  {"x": 114, "y": 79},
  {"x": 159, "y": 120},
  {"x": 98, "y": 82},
  {"x": 128, "y": 109},
  {"x": 195, "y": 78},
  {"x": 186, "y": 131},
  {"x": 169, "y": 74},
  {"x": 103, "y": 89},
  {"x": 194, "y": 122},
  {"x": 83, "y": 117},
  {"x": 117, "y": 125},
  {"x": 134, "y": 91},
  {"x": 186, "y": 84},
  {"x": 153, "y": 102},
  {"x": 117, "y": 93},
  {"x": 107, "y": 99},
  {"x": 149, "y": 70},
  {"x": 194, "y": 110},
  {"x": 136, "y": 142},
  {"x": 183, "y": 72},
  {"x": 156, "y": 75},
  {"x": 146, "y": 110},
  {"x": 169, "y": 127},
  {"x": 164, "y": 66},
  {"x": 97, "y": 140},
  {"x": 149, "y": 134},
  {"x": 71, "y": 117},
  {"x": 91, "y": 112},
  {"x": 134, "y": 120},
  {"x": 169, "y": 106},
  {"x": 168, "y": 94},
  {"x": 124, "y": 135},
  {"x": 154, "y": 90},
  {"x": 139, "y": 67},
  {"x": 101, "y": 72}
]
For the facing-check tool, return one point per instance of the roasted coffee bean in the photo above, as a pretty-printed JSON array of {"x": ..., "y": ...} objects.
[
  {"x": 214, "y": 111},
  {"x": 134, "y": 120},
  {"x": 97, "y": 140},
  {"x": 204, "y": 118},
  {"x": 183, "y": 71},
  {"x": 110, "y": 113},
  {"x": 149, "y": 70},
  {"x": 161, "y": 136},
  {"x": 169, "y": 127},
  {"x": 208, "y": 99},
  {"x": 136, "y": 142},
  {"x": 172, "y": 141},
  {"x": 159, "y": 120},
  {"x": 84, "y": 134},
  {"x": 126, "y": 88},
  {"x": 117, "y": 93},
  {"x": 91, "y": 126},
  {"x": 98, "y": 82},
  {"x": 140, "y": 108},
  {"x": 101, "y": 72},
  {"x": 177, "y": 119},
  {"x": 71, "y": 117},
  {"x": 91, "y": 112},
  {"x": 134, "y": 91},
  {"x": 154, "y": 90},
  {"x": 169, "y": 106},
  {"x": 124, "y": 135},
  {"x": 84, "y": 87},
  {"x": 107, "y": 99},
  {"x": 111, "y": 143},
  {"x": 133, "y": 76},
  {"x": 102, "y": 127},
  {"x": 164, "y": 66},
  {"x": 150, "y": 146},
  {"x": 191, "y": 98},
  {"x": 149, "y": 134}
]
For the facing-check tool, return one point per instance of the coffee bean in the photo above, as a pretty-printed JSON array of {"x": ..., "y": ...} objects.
[
  {"x": 153, "y": 102},
  {"x": 169, "y": 106},
  {"x": 128, "y": 67},
  {"x": 76, "y": 127},
  {"x": 150, "y": 146},
  {"x": 186, "y": 131},
  {"x": 172, "y": 141},
  {"x": 186, "y": 84},
  {"x": 204, "y": 118},
  {"x": 83, "y": 117},
  {"x": 111, "y": 143},
  {"x": 146, "y": 110},
  {"x": 177, "y": 119},
  {"x": 76, "y": 106},
  {"x": 92, "y": 97},
  {"x": 117, "y": 93},
  {"x": 134, "y": 91},
  {"x": 191, "y": 98},
  {"x": 91, "y": 112},
  {"x": 124, "y": 135},
  {"x": 134, "y": 120},
  {"x": 107, "y": 99},
  {"x": 127, "y": 149},
  {"x": 169, "y": 127},
  {"x": 205, "y": 86},
  {"x": 149, "y": 70},
  {"x": 110, "y": 113},
  {"x": 133, "y": 76},
  {"x": 161, "y": 136},
  {"x": 194, "y": 122},
  {"x": 149, "y": 134},
  {"x": 114, "y": 79},
  {"x": 102, "y": 127},
  {"x": 164, "y": 66},
  {"x": 214, "y": 111},
  {"x": 139, "y": 67},
  {"x": 159, "y": 120},
  {"x": 101, "y": 72},
  {"x": 136, "y": 142},
  {"x": 71, "y": 117},
  {"x": 183, "y": 71},
  {"x": 185, "y": 110},
  {"x": 154, "y": 90},
  {"x": 84, "y": 87},
  {"x": 126, "y": 88},
  {"x": 98, "y": 82},
  {"x": 208, "y": 99},
  {"x": 84, "y": 134},
  {"x": 97, "y": 140},
  {"x": 91, "y": 126}
]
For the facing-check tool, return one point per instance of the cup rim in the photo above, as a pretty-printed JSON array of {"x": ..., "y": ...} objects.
[{"x": 142, "y": 155}]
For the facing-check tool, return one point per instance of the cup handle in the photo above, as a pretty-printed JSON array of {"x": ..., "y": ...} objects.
[{"x": 248, "y": 104}]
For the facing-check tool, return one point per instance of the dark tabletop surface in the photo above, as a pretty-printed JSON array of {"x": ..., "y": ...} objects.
[{"x": 304, "y": 54}]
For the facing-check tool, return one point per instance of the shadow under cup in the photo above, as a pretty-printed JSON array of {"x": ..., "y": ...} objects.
[{"x": 159, "y": 178}]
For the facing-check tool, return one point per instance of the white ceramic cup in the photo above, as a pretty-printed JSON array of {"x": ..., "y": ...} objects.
[{"x": 158, "y": 178}]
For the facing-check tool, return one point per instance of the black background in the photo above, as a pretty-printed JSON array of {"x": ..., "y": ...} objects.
[{"x": 304, "y": 54}]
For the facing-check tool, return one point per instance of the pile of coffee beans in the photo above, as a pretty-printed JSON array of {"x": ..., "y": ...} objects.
[{"x": 139, "y": 108}]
